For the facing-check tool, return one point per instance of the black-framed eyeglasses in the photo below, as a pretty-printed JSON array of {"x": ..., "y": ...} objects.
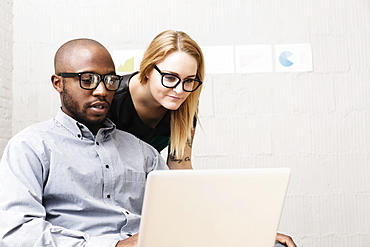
[
  {"x": 171, "y": 81},
  {"x": 90, "y": 81}
]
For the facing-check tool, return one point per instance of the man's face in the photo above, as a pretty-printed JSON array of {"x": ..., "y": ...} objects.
[{"x": 89, "y": 107}]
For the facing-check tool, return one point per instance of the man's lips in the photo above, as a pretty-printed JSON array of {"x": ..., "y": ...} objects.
[
  {"x": 99, "y": 105},
  {"x": 99, "y": 108}
]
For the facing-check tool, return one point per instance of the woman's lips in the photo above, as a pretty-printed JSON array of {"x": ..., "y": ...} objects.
[{"x": 174, "y": 97}]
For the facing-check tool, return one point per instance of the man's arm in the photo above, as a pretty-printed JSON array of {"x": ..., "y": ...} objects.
[
  {"x": 23, "y": 173},
  {"x": 129, "y": 242}
]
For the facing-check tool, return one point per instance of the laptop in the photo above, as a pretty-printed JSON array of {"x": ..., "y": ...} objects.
[{"x": 213, "y": 208}]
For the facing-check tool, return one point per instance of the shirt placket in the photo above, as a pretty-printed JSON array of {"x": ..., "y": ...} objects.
[{"x": 107, "y": 170}]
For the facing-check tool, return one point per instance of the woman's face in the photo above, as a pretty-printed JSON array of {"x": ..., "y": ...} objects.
[{"x": 178, "y": 63}]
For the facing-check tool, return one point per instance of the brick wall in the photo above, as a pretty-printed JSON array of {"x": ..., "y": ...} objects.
[{"x": 6, "y": 67}]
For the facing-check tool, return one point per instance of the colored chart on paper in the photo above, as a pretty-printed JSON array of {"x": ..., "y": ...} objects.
[
  {"x": 128, "y": 66},
  {"x": 293, "y": 57},
  {"x": 284, "y": 58}
]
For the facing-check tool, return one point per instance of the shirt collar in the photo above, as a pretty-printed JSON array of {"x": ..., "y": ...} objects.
[{"x": 80, "y": 130}]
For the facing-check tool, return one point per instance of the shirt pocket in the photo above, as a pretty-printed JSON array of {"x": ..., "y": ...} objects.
[
  {"x": 133, "y": 190},
  {"x": 134, "y": 176}
]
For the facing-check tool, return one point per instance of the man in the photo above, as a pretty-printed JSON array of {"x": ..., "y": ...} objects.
[{"x": 75, "y": 180}]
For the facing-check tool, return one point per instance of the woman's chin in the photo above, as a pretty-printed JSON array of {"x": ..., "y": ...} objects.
[{"x": 171, "y": 107}]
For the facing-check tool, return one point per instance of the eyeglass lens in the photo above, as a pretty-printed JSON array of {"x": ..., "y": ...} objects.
[
  {"x": 172, "y": 81},
  {"x": 91, "y": 81}
]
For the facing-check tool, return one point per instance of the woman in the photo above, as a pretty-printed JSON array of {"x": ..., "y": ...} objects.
[{"x": 159, "y": 103}]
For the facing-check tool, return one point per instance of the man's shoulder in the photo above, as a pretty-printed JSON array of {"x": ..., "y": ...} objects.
[
  {"x": 121, "y": 134},
  {"x": 130, "y": 139},
  {"x": 37, "y": 128}
]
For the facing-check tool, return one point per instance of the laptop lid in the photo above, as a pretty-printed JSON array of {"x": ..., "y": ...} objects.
[{"x": 213, "y": 208}]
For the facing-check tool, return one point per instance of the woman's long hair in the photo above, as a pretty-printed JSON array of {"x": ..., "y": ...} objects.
[{"x": 182, "y": 119}]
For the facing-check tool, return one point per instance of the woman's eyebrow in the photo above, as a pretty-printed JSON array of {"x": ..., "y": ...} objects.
[{"x": 175, "y": 73}]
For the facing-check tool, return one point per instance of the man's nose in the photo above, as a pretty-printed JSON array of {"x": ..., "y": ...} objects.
[{"x": 101, "y": 89}]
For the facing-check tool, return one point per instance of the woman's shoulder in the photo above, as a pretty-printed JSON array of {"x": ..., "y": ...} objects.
[
  {"x": 122, "y": 105},
  {"x": 123, "y": 88}
]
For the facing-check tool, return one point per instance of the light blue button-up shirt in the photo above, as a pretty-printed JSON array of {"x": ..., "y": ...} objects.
[{"x": 61, "y": 186}]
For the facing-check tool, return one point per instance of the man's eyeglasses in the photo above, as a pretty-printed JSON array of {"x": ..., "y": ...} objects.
[
  {"x": 90, "y": 81},
  {"x": 172, "y": 81}
]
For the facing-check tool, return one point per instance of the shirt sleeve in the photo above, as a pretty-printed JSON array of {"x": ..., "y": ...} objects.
[
  {"x": 23, "y": 172},
  {"x": 154, "y": 159}
]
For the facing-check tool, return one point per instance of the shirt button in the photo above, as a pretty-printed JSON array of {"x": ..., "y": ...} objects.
[
  {"x": 107, "y": 166},
  {"x": 129, "y": 234},
  {"x": 79, "y": 136},
  {"x": 108, "y": 196},
  {"x": 97, "y": 143}
]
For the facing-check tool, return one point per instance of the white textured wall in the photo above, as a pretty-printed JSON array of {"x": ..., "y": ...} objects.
[
  {"x": 316, "y": 123},
  {"x": 6, "y": 66}
]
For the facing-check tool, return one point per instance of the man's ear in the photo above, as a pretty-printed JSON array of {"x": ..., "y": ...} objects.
[{"x": 57, "y": 83}]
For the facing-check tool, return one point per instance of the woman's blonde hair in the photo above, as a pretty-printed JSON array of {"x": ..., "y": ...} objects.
[{"x": 182, "y": 119}]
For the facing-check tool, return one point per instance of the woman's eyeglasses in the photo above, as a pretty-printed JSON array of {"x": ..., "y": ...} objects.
[{"x": 171, "y": 81}]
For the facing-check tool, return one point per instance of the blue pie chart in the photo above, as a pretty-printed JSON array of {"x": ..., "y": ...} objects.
[{"x": 283, "y": 58}]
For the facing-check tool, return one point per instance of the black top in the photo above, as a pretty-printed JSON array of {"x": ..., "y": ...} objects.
[{"x": 124, "y": 115}]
